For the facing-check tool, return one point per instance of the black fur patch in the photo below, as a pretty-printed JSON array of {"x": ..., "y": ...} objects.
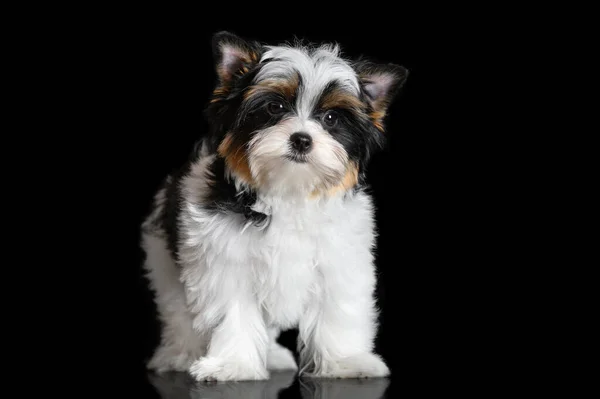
[
  {"x": 356, "y": 133},
  {"x": 222, "y": 114},
  {"x": 172, "y": 209},
  {"x": 224, "y": 197}
]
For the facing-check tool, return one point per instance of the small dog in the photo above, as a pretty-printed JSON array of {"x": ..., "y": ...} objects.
[{"x": 269, "y": 226}]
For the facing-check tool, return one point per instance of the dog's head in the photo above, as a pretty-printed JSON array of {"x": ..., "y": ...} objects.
[{"x": 297, "y": 119}]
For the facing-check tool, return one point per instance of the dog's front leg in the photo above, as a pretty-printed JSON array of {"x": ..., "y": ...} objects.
[
  {"x": 238, "y": 345},
  {"x": 338, "y": 329}
]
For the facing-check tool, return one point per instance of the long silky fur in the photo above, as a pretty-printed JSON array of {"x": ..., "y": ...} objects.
[{"x": 243, "y": 242}]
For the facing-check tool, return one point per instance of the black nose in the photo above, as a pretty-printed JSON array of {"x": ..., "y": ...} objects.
[{"x": 301, "y": 142}]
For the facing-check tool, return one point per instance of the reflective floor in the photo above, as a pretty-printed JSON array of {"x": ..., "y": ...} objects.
[{"x": 280, "y": 385}]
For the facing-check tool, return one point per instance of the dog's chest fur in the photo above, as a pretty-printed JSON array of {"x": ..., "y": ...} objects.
[{"x": 286, "y": 260}]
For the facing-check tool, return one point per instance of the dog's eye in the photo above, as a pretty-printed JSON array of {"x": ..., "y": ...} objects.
[
  {"x": 330, "y": 118},
  {"x": 275, "y": 108}
]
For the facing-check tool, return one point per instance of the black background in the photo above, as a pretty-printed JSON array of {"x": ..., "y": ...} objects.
[{"x": 153, "y": 75}]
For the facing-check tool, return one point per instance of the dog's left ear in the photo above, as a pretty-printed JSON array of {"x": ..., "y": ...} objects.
[
  {"x": 233, "y": 56},
  {"x": 380, "y": 83}
]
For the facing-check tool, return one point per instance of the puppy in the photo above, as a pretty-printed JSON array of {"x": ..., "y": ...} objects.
[{"x": 269, "y": 226}]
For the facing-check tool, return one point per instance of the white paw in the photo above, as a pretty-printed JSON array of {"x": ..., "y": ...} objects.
[
  {"x": 215, "y": 369},
  {"x": 170, "y": 359},
  {"x": 280, "y": 358},
  {"x": 367, "y": 365}
]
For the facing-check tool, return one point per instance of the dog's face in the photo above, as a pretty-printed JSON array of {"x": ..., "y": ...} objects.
[{"x": 297, "y": 120}]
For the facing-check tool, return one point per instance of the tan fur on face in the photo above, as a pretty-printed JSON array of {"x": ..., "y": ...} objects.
[
  {"x": 236, "y": 158},
  {"x": 286, "y": 88},
  {"x": 341, "y": 99},
  {"x": 349, "y": 180}
]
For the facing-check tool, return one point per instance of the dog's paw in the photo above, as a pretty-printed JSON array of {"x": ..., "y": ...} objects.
[
  {"x": 215, "y": 369},
  {"x": 367, "y": 365},
  {"x": 280, "y": 358}
]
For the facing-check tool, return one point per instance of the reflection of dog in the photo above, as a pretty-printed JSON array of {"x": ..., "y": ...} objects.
[
  {"x": 181, "y": 386},
  {"x": 313, "y": 388},
  {"x": 269, "y": 224}
]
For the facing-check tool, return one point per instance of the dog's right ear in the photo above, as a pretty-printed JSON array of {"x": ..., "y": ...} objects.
[{"x": 233, "y": 56}]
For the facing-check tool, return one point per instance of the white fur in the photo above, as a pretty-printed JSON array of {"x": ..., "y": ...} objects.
[{"x": 312, "y": 267}]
